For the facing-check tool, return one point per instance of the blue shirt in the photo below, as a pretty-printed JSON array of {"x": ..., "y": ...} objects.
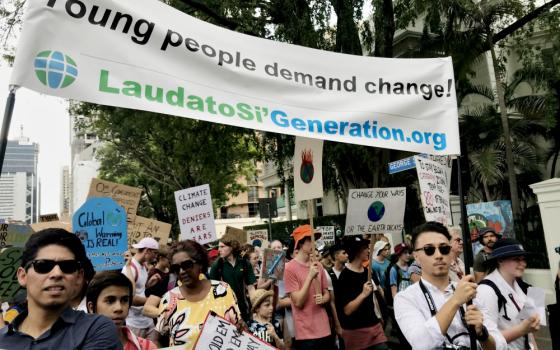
[
  {"x": 72, "y": 330},
  {"x": 401, "y": 282},
  {"x": 380, "y": 269}
]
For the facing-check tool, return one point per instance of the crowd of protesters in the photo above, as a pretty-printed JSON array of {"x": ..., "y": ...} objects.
[{"x": 360, "y": 293}]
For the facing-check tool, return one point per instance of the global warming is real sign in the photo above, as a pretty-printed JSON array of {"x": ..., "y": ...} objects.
[{"x": 105, "y": 52}]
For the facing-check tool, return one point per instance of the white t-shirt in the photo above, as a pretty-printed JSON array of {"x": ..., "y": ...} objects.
[{"x": 140, "y": 274}]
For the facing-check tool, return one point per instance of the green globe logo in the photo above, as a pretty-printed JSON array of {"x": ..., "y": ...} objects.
[
  {"x": 376, "y": 211},
  {"x": 55, "y": 69}
]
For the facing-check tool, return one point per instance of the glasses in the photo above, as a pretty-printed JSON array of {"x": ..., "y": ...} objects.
[
  {"x": 184, "y": 265},
  {"x": 43, "y": 266},
  {"x": 430, "y": 249},
  {"x": 458, "y": 240}
]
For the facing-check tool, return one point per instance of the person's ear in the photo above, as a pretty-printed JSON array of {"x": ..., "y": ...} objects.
[
  {"x": 90, "y": 307},
  {"x": 22, "y": 276}
]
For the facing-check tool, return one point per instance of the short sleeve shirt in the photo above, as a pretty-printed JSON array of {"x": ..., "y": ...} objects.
[
  {"x": 380, "y": 269},
  {"x": 311, "y": 321},
  {"x": 237, "y": 276},
  {"x": 182, "y": 320},
  {"x": 260, "y": 330},
  {"x": 404, "y": 279},
  {"x": 72, "y": 330},
  {"x": 349, "y": 286}
]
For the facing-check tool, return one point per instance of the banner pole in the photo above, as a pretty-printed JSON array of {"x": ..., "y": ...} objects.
[
  {"x": 371, "y": 257},
  {"x": 10, "y": 103}
]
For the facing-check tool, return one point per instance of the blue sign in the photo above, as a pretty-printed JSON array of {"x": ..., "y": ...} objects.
[
  {"x": 402, "y": 165},
  {"x": 101, "y": 225}
]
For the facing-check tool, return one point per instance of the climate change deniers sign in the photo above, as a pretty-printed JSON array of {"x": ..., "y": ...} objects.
[{"x": 146, "y": 55}]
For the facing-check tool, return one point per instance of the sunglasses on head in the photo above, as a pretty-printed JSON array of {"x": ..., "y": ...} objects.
[
  {"x": 43, "y": 266},
  {"x": 430, "y": 249},
  {"x": 184, "y": 265}
]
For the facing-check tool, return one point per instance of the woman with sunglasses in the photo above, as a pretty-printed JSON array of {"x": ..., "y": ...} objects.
[
  {"x": 504, "y": 294},
  {"x": 184, "y": 308}
]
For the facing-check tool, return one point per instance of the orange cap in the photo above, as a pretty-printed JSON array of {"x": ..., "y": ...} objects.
[{"x": 304, "y": 231}]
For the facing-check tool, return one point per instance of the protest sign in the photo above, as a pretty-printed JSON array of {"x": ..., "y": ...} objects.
[
  {"x": 101, "y": 225},
  {"x": 143, "y": 227},
  {"x": 126, "y": 196},
  {"x": 375, "y": 210},
  {"x": 237, "y": 234},
  {"x": 273, "y": 264},
  {"x": 209, "y": 73},
  {"x": 14, "y": 235},
  {"x": 308, "y": 169},
  {"x": 497, "y": 214},
  {"x": 10, "y": 260},
  {"x": 52, "y": 224},
  {"x": 48, "y": 217},
  {"x": 196, "y": 214},
  {"x": 434, "y": 187},
  {"x": 327, "y": 234},
  {"x": 258, "y": 235},
  {"x": 217, "y": 333}
]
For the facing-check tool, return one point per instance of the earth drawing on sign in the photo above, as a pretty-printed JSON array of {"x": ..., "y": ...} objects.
[
  {"x": 376, "y": 211},
  {"x": 307, "y": 170}
]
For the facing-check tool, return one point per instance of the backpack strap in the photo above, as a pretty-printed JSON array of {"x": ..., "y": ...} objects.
[{"x": 501, "y": 299}]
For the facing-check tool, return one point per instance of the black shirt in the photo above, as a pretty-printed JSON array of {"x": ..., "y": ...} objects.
[{"x": 349, "y": 285}]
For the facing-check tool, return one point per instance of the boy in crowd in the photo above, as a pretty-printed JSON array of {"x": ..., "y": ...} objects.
[
  {"x": 380, "y": 261},
  {"x": 51, "y": 270},
  {"x": 110, "y": 294},
  {"x": 306, "y": 284}
]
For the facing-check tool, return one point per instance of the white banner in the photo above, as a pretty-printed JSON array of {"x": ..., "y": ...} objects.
[
  {"x": 375, "y": 210},
  {"x": 196, "y": 215},
  {"x": 434, "y": 187},
  {"x": 308, "y": 169},
  {"x": 217, "y": 333},
  {"x": 149, "y": 56}
]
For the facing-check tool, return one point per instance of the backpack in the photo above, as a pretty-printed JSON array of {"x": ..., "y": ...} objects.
[{"x": 387, "y": 290}]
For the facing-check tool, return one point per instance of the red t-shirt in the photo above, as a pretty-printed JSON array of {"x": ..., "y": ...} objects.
[{"x": 312, "y": 321}]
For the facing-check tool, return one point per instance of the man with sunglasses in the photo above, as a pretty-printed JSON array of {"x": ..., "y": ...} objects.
[
  {"x": 51, "y": 270},
  {"x": 432, "y": 313}
]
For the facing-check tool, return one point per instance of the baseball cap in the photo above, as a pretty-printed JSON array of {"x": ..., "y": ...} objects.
[
  {"x": 304, "y": 231},
  {"x": 213, "y": 253},
  {"x": 379, "y": 246},
  {"x": 146, "y": 242}
]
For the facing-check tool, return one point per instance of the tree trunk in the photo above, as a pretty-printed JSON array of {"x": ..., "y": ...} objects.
[{"x": 507, "y": 137}]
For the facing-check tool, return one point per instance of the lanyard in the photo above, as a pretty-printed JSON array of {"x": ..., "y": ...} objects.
[{"x": 433, "y": 311}]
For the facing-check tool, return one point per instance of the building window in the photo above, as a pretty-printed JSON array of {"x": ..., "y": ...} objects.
[
  {"x": 253, "y": 209},
  {"x": 253, "y": 194}
]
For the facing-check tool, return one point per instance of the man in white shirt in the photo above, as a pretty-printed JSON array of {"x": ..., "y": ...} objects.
[
  {"x": 136, "y": 271},
  {"x": 431, "y": 313}
]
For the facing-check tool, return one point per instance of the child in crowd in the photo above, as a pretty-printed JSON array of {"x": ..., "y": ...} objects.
[
  {"x": 110, "y": 294},
  {"x": 263, "y": 325}
]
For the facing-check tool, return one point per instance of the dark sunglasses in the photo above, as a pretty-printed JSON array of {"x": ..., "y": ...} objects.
[
  {"x": 43, "y": 266},
  {"x": 430, "y": 249},
  {"x": 184, "y": 265}
]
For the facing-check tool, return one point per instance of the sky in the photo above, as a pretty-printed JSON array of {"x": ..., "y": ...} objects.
[{"x": 45, "y": 121}]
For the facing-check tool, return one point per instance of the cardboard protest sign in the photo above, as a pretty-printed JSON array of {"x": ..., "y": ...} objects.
[
  {"x": 497, "y": 214},
  {"x": 258, "y": 235},
  {"x": 48, "y": 217},
  {"x": 273, "y": 264},
  {"x": 308, "y": 169},
  {"x": 101, "y": 225},
  {"x": 237, "y": 234},
  {"x": 217, "y": 333},
  {"x": 375, "y": 210},
  {"x": 434, "y": 187},
  {"x": 126, "y": 196},
  {"x": 196, "y": 214},
  {"x": 10, "y": 260},
  {"x": 209, "y": 73},
  {"x": 14, "y": 235},
  {"x": 143, "y": 227},
  {"x": 327, "y": 234},
  {"x": 51, "y": 224}
]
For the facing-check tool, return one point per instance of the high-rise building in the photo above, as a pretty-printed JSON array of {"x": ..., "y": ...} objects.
[
  {"x": 19, "y": 194},
  {"x": 65, "y": 192}
]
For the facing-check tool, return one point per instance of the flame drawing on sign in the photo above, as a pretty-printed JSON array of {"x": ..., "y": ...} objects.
[{"x": 307, "y": 170}]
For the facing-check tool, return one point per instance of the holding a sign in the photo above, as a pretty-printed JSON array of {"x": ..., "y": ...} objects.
[
  {"x": 101, "y": 225},
  {"x": 10, "y": 260},
  {"x": 308, "y": 169},
  {"x": 126, "y": 196},
  {"x": 258, "y": 235},
  {"x": 142, "y": 227},
  {"x": 13, "y": 235},
  {"x": 273, "y": 264},
  {"x": 434, "y": 186},
  {"x": 375, "y": 210},
  {"x": 327, "y": 234},
  {"x": 196, "y": 215}
]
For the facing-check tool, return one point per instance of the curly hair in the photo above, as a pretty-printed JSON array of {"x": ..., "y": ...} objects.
[
  {"x": 233, "y": 243},
  {"x": 193, "y": 249}
]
